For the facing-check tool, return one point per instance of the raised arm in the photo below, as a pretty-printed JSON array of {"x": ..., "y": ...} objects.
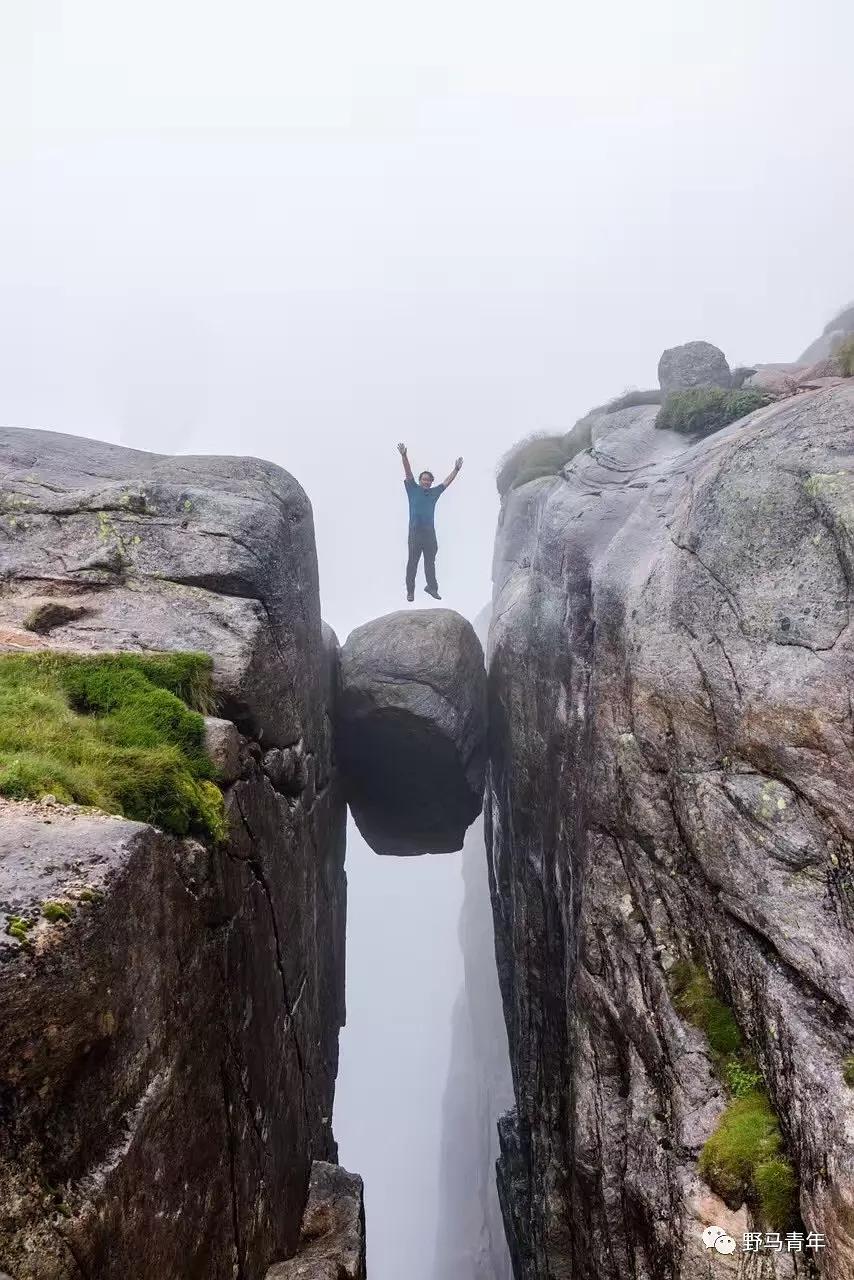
[
  {"x": 452, "y": 477},
  {"x": 401, "y": 448}
]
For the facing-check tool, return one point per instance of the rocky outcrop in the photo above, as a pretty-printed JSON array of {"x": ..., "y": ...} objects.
[
  {"x": 670, "y": 781},
  {"x": 694, "y": 364},
  {"x": 332, "y": 1239},
  {"x": 411, "y": 730},
  {"x": 170, "y": 1039},
  {"x": 833, "y": 335},
  {"x": 209, "y": 554}
]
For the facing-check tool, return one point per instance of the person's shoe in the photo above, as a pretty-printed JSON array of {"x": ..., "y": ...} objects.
[
  {"x": 410, "y": 595},
  {"x": 434, "y": 592}
]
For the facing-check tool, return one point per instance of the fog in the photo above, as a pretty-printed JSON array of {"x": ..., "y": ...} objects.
[{"x": 309, "y": 231}]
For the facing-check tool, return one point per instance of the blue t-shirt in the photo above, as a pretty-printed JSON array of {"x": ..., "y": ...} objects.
[{"x": 422, "y": 503}]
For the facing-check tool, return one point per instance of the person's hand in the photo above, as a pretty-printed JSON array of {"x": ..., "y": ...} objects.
[
  {"x": 401, "y": 449},
  {"x": 458, "y": 464}
]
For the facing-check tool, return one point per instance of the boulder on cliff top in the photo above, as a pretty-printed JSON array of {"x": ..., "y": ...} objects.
[
  {"x": 411, "y": 730},
  {"x": 694, "y": 364},
  {"x": 332, "y": 1239}
]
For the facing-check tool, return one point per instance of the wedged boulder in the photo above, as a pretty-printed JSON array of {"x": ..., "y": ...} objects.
[
  {"x": 693, "y": 364},
  {"x": 411, "y": 730},
  {"x": 332, "y": 1240}
]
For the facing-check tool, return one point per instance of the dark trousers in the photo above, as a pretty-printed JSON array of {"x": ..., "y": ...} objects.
[{"x": 422, "y": 541}]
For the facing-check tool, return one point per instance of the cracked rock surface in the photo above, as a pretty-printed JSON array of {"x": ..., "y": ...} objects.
[
  {"x": 411, "y": 730},
  {"x": 157, "y": 552},
  {"x": 672, "y": 777},
  {"x": 332, "y": 1239},
  {"x": 170, "y": 1039}
]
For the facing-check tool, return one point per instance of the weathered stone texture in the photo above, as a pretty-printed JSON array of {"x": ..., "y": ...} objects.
[
  {"x": 671, "y": 775},
  {"x": 332, "y": 1239},
  {"x": 169, "y": 1053},
  {"x": 195, "y": 553},
  {"x": 411, "y": 730},
  {"x": 694, "y": 364}
]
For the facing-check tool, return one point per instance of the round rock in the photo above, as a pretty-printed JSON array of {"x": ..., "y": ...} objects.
[
  {"x": 411, "y": 730},
  {"x": 694, "y": 364}
]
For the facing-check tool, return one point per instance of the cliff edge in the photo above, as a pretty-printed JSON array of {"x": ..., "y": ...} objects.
[
  {"x": 669, "y": 829},
  {"x": 171, "y": 985}
]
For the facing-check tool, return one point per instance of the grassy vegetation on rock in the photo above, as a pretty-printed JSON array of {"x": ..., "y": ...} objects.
[
  {"x": 121, "y": 732},
  {"x": 702, "y": 410},
  {"x": 56, "y": 911},
  {"x": 695, "y": 999},
  {"x": 742, "y": 1159},
  {"x": 531, "y": 459},
  {"x": 633, "y": 399},
  {"x": 845, "y": 356},
  {"x": 17, "y": 927}
]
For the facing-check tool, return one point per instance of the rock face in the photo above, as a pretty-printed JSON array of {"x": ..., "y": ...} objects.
[
  {"x": 834, "y": 334},
  {"x": 694, "y": 364},
  {"x": 169, "y": 1053},
  {"x": 208, "y": 554},
  {"x": 671, "y": 779},
  {"x": 411, "y": 730},
  {"x": 332, "y": 1240}
]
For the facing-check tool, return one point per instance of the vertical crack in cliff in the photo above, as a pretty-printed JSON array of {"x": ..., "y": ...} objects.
[
  {"x": 232, "y": 1160},
  {"x": 290, "y": 1007}
]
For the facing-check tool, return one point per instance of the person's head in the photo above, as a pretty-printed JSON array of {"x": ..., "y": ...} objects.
[{"x": 425, "y": 479}]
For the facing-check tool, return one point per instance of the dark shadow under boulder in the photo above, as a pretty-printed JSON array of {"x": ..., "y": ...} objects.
[{"x": 411, "y": 730}]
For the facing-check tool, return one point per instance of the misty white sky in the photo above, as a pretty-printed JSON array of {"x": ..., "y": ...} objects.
[{"x": 306, "y": 231}]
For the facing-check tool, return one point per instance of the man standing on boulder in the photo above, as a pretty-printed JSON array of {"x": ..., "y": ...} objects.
[{"x": 423, "y": 497}]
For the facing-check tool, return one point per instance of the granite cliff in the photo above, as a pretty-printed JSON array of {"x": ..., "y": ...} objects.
[
  {"x": 170, "y": 1004},
  {"x": 669, "y": 832}
]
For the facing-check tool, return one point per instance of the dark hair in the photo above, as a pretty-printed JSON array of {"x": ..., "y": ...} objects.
[{"x": 426, "y": 473}]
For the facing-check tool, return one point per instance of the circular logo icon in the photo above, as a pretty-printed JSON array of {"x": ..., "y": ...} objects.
[
  {"x": 725, "y": 1244},
  {"x": 710, "y": 1235}
]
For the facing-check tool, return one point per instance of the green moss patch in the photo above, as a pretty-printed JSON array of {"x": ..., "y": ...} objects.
[
  {"x": 56, "y": 911},
  {"x": 121, "y": 732},
  {"x": 845, "y": 356},
  {"x": 18, "y": 927},
  {"x": 702, "y": 410},
  {"x": 743, "y": 1158},
  {"x": 777, "y": 1188},
  {"x": 695, "y": 999}
]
